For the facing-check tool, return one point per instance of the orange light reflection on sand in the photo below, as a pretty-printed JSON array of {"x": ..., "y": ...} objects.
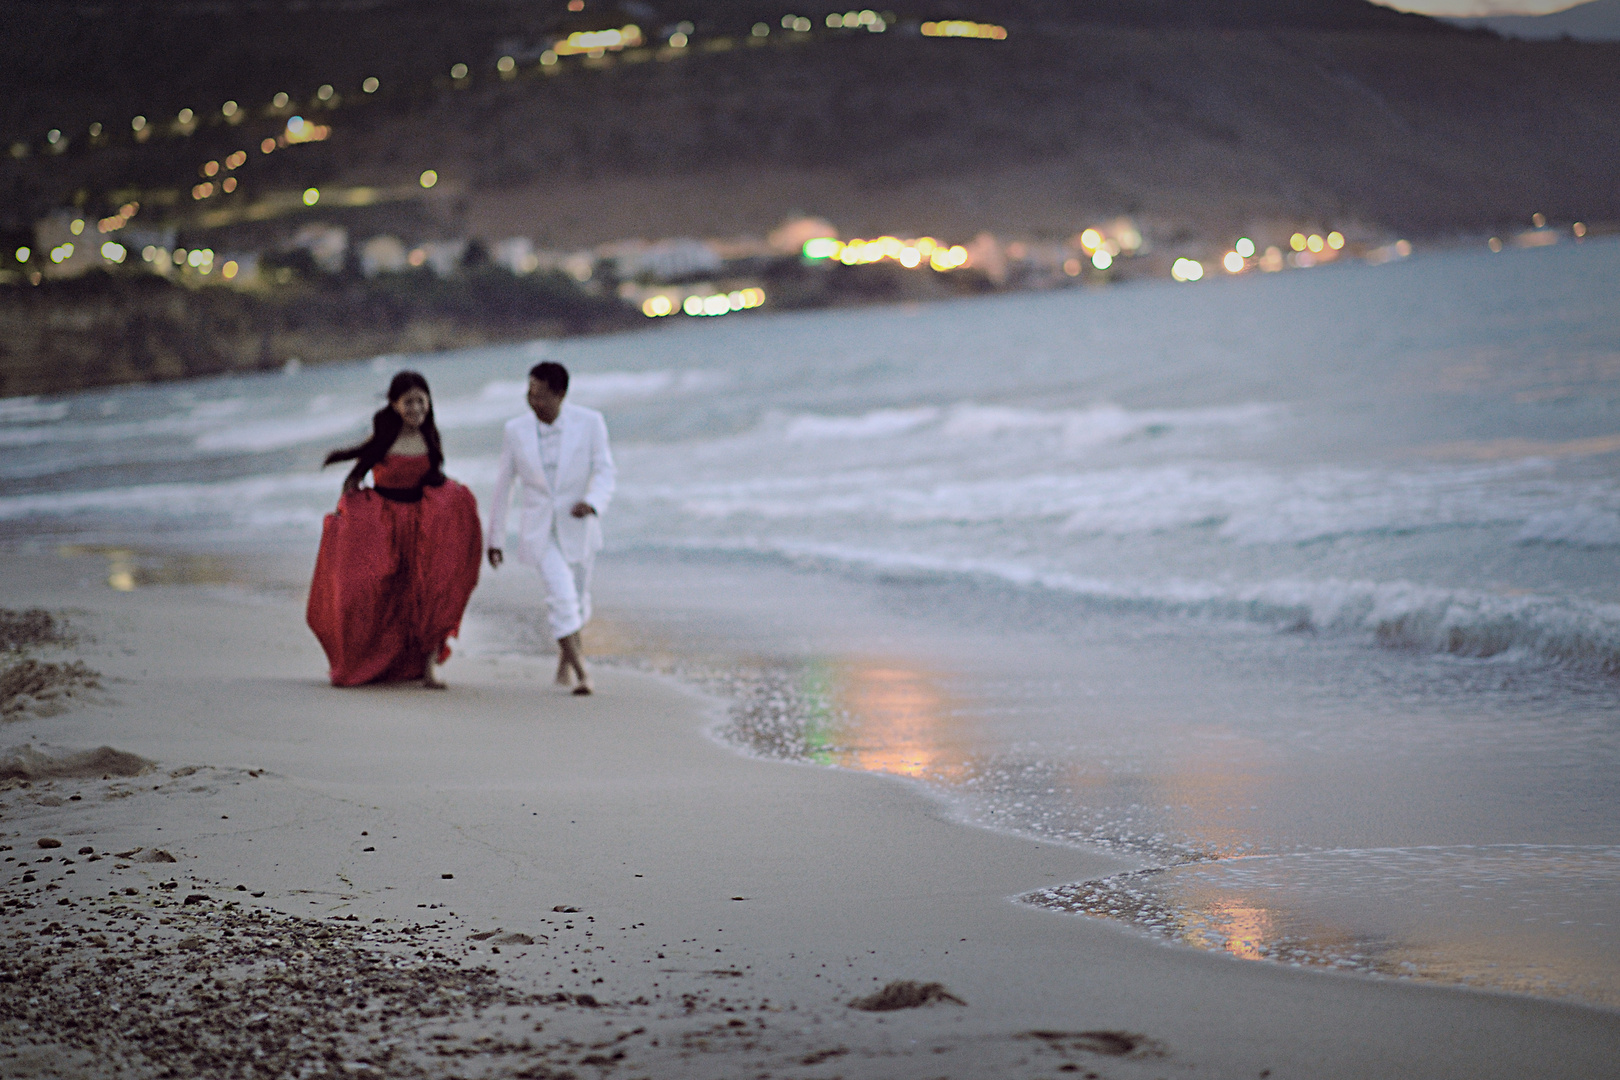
[
  {"x": 1247, "y": 929},
  {"x": 898, "y": 721}
]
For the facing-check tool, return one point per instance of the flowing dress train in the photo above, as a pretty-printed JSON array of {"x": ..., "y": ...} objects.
[{"x": 396, "y": 567}]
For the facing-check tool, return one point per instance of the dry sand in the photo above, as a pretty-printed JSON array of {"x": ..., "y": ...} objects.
[{"x": 384, "y": 881}]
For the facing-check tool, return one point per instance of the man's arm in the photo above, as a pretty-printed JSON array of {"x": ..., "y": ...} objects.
[
  {"x": 599, "y": 490},
  {"x": 496, "y": 537}
]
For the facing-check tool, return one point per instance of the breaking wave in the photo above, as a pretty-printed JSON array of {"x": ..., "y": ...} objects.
[{"x": 1570, "y": 633}]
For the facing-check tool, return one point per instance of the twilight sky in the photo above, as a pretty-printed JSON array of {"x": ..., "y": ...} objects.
[{"x": 1482, "y": 7}]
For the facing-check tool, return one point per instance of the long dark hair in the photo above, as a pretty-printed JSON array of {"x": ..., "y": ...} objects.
[{"x": 385, "y": 428}]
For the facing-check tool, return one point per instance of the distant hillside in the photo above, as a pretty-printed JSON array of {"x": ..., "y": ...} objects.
[
  {"x": 1200, "y": 115},
  {"x": 1597, "y": 20}
]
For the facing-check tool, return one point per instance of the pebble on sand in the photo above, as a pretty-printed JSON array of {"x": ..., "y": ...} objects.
[{"x": 48, "y": 842}]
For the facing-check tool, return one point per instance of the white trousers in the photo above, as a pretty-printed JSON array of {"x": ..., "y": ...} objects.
[{"x": 568, "y": 590}]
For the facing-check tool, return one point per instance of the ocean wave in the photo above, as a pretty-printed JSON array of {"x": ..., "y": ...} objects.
[
  {"x": 1583, "y": 527},
  {"x": 1237, "y": 502},
  {"x": 502, "y": 399},
  {"x": 261, "y": 436},
  {"x": 72, "y": 431},
  {"x": 170, "y": 501},
  {"x": 214, "y": 427},
  {"x": 262, "y": 499},
  {"x": 30, "y": 410},
  {"x": 1566, "y": 632},
  {"x": 1075, "y": 428},
  {"x": 872, "y": 425}
]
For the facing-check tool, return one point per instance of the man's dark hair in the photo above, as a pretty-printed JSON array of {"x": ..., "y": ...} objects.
[{"x": 554, "y": 375}]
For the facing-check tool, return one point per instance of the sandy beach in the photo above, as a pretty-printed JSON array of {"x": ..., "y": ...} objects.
[{"x": 503, "y": 880}]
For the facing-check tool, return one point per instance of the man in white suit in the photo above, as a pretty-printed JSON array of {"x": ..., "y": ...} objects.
[{"x": 560, "y": 458}]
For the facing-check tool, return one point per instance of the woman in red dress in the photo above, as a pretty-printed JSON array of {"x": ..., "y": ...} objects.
[{"x": 399, "y": 559}]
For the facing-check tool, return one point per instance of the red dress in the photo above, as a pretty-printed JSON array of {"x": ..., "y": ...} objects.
[{"x": 393, "y": 577}]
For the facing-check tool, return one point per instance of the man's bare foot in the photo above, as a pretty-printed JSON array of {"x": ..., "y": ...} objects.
[
  {"x": 571, "y": 664},
  {"x": 583, "y": 690}
]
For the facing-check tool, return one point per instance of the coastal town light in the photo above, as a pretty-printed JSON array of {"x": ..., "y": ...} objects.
[
  {"x": 23, "y": 254},
  {"x": 1244, "y": 247},
  {"x": 700, "y": 306},
  {"x": 600, "y": 41},
  {"x": 958, "y": 28},
  {"x": 1232, "y": 262},
  {"x": 113, "y": 252},
  {"x": 312, "y": 196},
  {"x": 428, "y": 178},
  {"x": 1335, "y": 240},
  {"x": 1187, "y": 270},
  {"x": 370, "y": 85},
  {"x": 822, "y": 247},
  {"x": 1101, "y": 259}
]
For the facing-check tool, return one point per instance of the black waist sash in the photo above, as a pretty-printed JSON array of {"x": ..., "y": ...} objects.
[{"x": 400, "y": 495}]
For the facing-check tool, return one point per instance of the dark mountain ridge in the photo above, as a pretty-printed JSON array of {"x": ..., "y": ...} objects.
[{"x": 1203, "y": 113}]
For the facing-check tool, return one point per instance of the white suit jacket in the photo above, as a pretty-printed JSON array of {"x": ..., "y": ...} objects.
[{"x": 584, "y": 474}]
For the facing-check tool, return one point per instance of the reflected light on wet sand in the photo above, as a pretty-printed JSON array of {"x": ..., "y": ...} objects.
[
  {"x": 1245, "y": 931},
  {"x": 129, "y": 569},
  {"x": 898, "y": 721}
]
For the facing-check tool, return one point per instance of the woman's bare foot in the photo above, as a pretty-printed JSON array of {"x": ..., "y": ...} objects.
[{"x": 431, "y": 678}]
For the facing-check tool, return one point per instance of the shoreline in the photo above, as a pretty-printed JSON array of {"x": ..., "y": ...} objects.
[
  {"x": 850, "y": 882},
  {"x": 249, "y": 334}
]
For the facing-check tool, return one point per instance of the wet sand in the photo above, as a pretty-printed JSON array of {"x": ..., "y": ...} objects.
[{"x": 383, "y": 882}]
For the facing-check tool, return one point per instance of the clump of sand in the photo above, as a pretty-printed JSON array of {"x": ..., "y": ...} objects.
[
  {"x": 26, "y": 682},
  {"x": 33, "y": 763},
  {"x": 905, "y": 994},
  {"x": 36, "y": 626}
]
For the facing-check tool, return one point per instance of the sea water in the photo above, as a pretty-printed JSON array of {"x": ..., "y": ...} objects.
[{"x": 1299, "y": 592}]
